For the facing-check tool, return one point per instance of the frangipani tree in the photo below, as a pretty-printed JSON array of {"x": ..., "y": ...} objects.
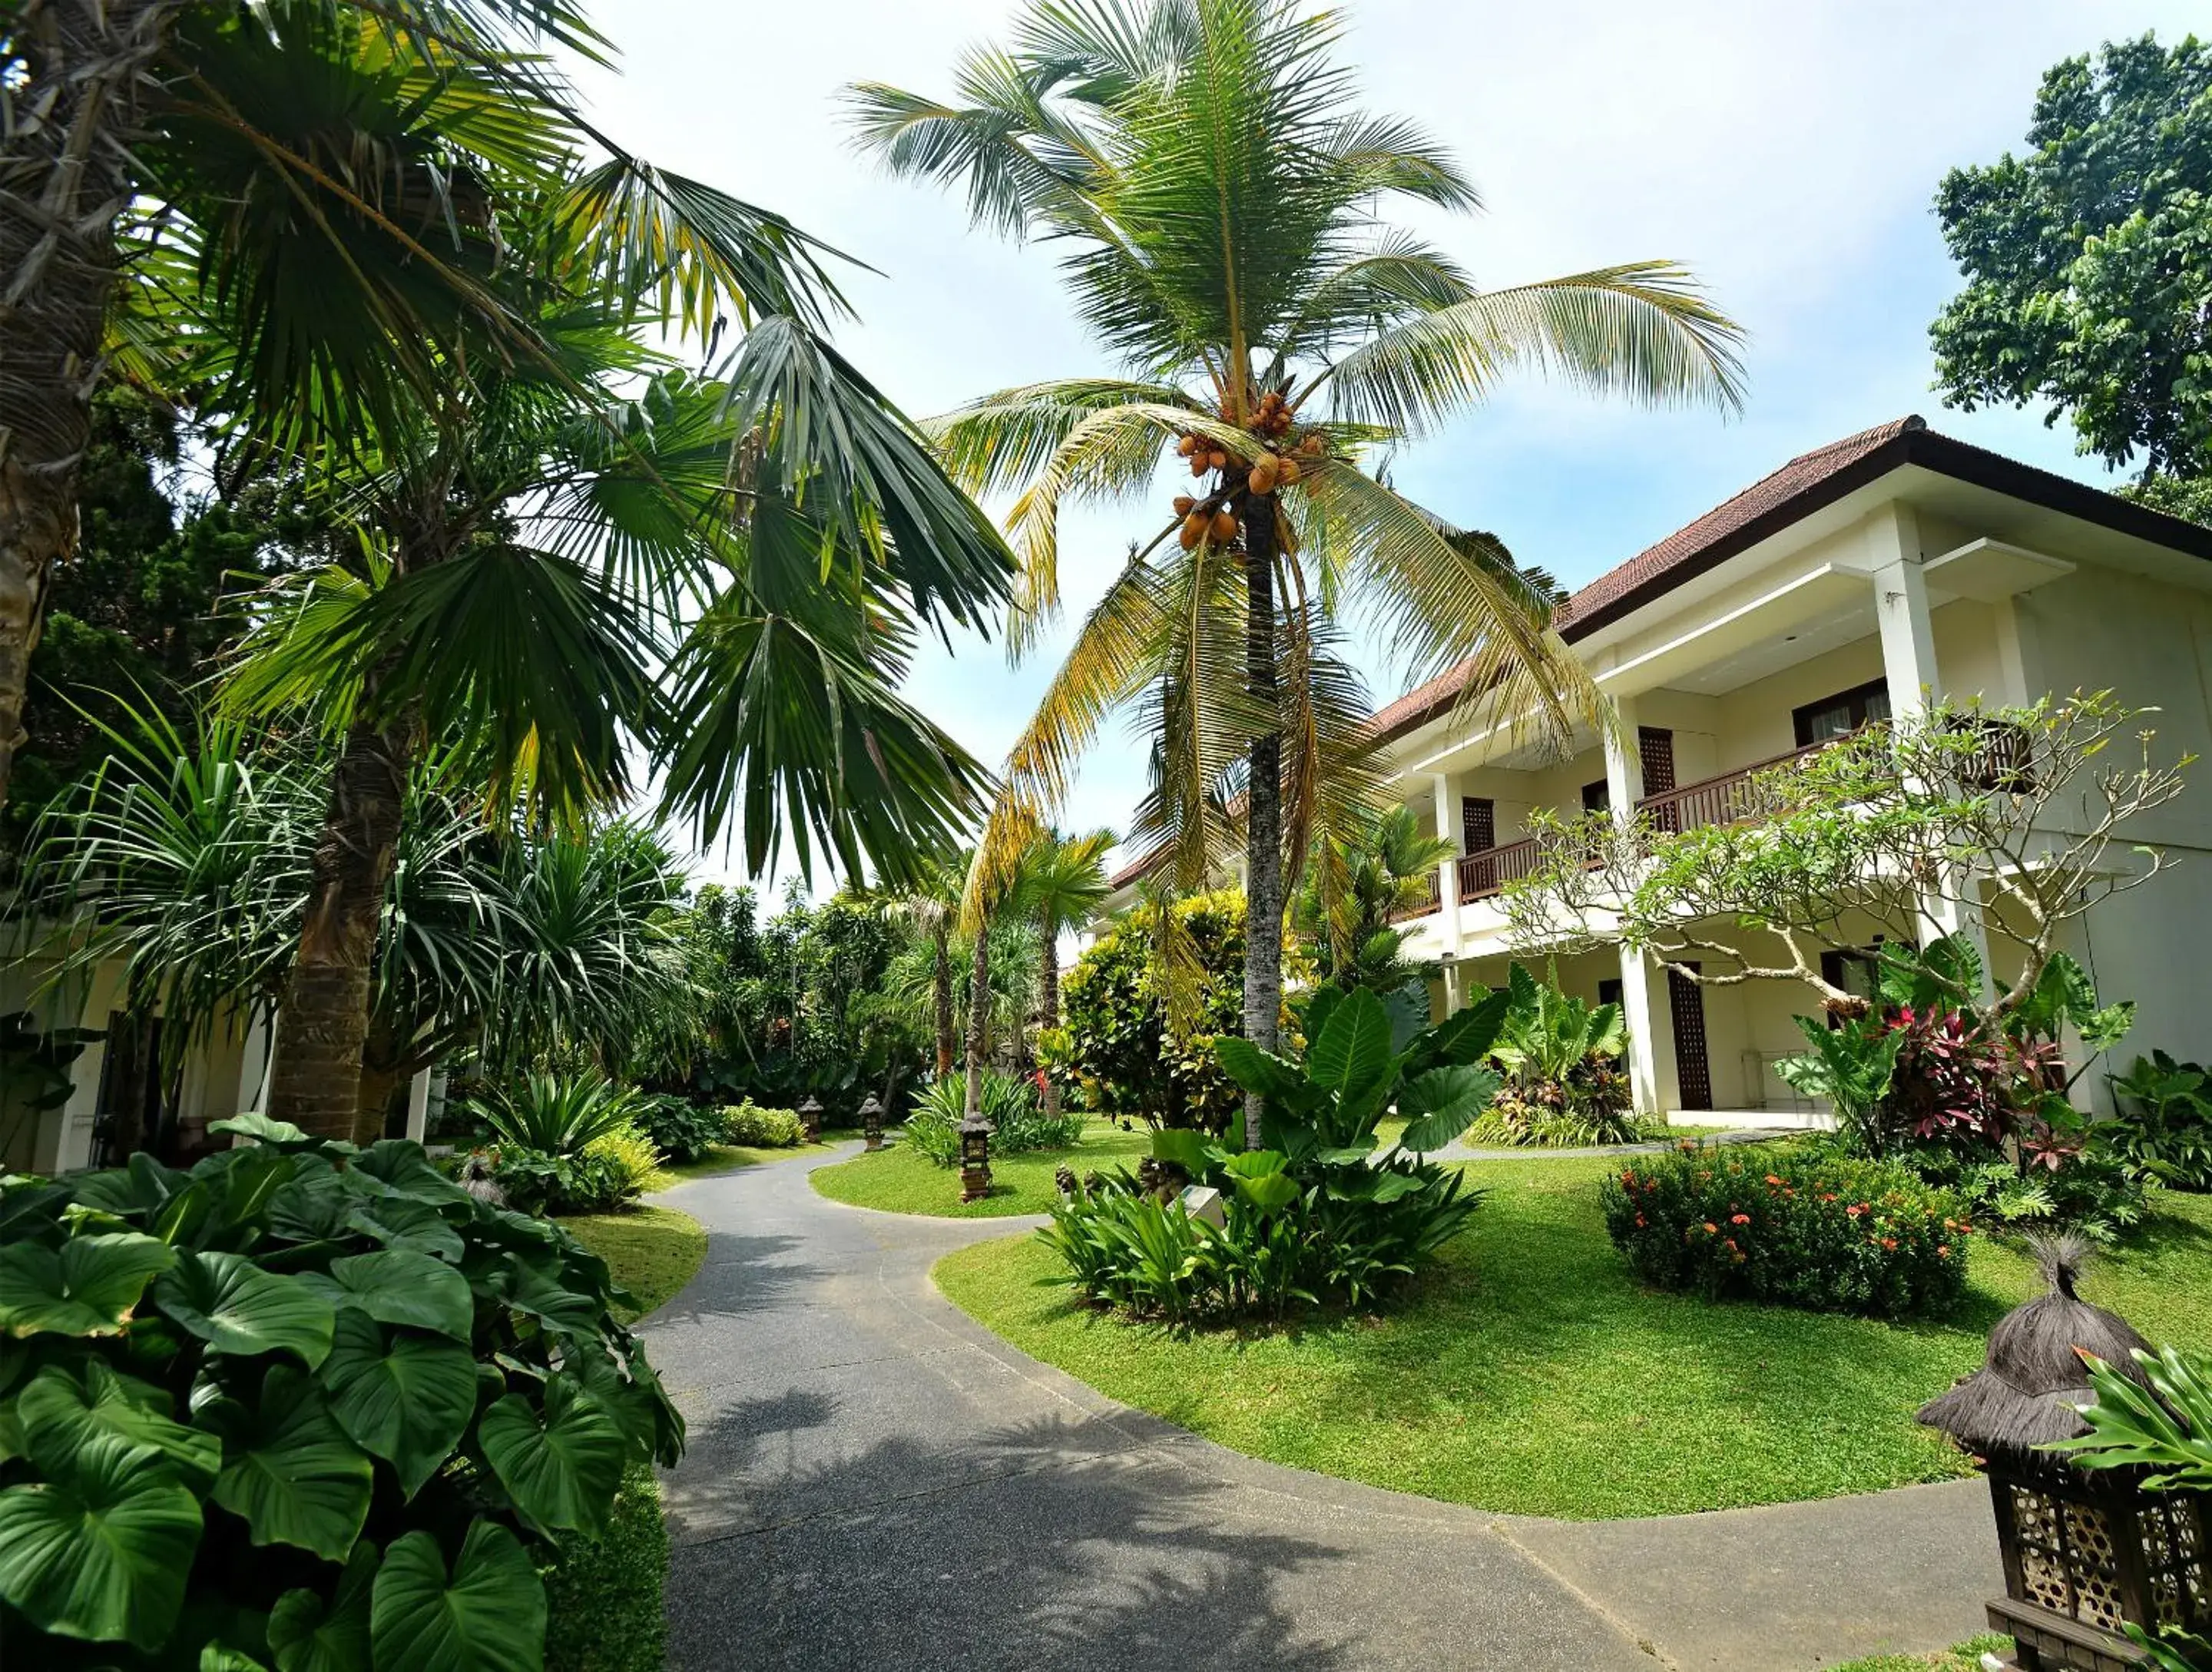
[{"x": 1216, "y": 193}]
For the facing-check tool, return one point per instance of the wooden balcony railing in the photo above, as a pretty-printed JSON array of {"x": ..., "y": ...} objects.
[
  {"x": 1431, "y": 901},
  {"x": 1725, "y": 800},
  {"x": 1481, "y": 875}
]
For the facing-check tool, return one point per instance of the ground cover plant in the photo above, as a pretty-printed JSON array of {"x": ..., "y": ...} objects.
[
  {"x": 900, "y": 1180},
  {"x": 1527, "y": 1371},
  {"x": 1960, "y": 1657},
  {"x": 1801, "y": 1226},
  {"x": 1010, "y": 1102},
  {"x": 302, "y": 1400},
  {"x": 2164, "y": 1128}
]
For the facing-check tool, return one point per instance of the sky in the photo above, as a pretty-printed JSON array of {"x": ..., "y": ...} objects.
[{"x": 1788, "y": 153}]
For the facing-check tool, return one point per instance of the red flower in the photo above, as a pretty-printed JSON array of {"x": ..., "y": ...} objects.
[
  {"x": 1771, "y": 1179},
  {"x": 1740, "y": 1219},
  {"x": 1639, "y": 1222},
  {"x": 1850, "y": 1212},
  {"x": 1889, "y": 1242}
]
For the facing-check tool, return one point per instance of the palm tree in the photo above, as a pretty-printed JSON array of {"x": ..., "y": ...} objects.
[
  {"x": 931, "y": 904},
  {"x": 1059, "y": 886},
  {"x": 1215, "y": 188},
  {"x": 1386, "y": 866}
]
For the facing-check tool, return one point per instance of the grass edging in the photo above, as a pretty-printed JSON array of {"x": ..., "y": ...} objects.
[
  {"x": 1526, "y": 1373},
  {"x": 900, "y": 1180}
]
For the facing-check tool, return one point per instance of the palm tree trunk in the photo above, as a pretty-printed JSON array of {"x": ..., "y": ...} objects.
[
  {"x": 943, "y": 996},
  {"x": 63, "y": 180},
  {"x": 323, "y": 1019},
  {"x": 979, "y": 1016},
  {"x": 1048, "y": 1000},
  {"x": 1263, "y": 810}
]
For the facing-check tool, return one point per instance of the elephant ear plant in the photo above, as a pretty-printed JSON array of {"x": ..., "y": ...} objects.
[
  {"x": 1316, "y": 1213},
  {"x": 307, "y": 1407}
]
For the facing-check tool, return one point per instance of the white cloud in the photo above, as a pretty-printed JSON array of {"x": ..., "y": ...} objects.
[{"x": 1789, "y": 152}]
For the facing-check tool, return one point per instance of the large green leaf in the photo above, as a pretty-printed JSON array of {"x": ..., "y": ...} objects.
[
  {"x": 537, "y": 1294},
  {"x": 59, "y": 1414},
  {"x": 101, "y": 1551},
  {"x": 1352, "y": 1058},
  {"x": 401, "y": 1222},
  {"x": 1259, "y": 1071},
  {"x": 408, "y": 1399},
  {"x": 397, "y": 1286},
  {"x": 402, "y": 1169},
  {"x": 1193, "y": 1152},
  {"x": 87, "y": 1287},
  {"x": 1443, "y": 1102},
  {"x": 561, "y": 1469},
  {"x": 488, "y": 1617},
  {"x": 308, "y": 1634},
  {"x": 236, "y": 1307},
  {"x": 1270, "y": 1193},
  {"x": 289, "y": 1472},
  {"x": 1464, "y": 1036}
]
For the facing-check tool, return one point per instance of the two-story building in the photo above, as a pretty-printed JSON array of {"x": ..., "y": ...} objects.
[{"x": 1856, "y": 581}]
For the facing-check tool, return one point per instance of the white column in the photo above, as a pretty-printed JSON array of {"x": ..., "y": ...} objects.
[
  {"x": 82, "y": 1111},
  {"x": 1446, "y": 873},
  {"x": 418, "y": 1106},
  {"x": 1908, "y": 665},
  {"x": 1624, "y": 788}
]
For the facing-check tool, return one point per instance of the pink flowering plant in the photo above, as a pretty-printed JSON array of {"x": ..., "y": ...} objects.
[{"x": 1799, "y": 1226}]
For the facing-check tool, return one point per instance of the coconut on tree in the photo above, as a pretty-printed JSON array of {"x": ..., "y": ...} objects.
[{"x": 1216, "y": 192}]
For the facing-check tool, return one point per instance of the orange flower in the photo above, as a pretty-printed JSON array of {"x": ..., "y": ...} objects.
[
  {"x": 1851, "y": 1213},
  {"x": 1773, "y": 1179},
  {"x": 1943, "y": 1250},
  {"x": 1639, "y": 1222},
  {"x": 1740, "y": 1219},
  {"x": 1710, "y": 1228},
  {"x": 1889, "y": 1242}
]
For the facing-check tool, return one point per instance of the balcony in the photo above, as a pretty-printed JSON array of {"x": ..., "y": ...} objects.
[
  {"x": 1481, "y": 875},
  {"x": 1722, "y": 800}
]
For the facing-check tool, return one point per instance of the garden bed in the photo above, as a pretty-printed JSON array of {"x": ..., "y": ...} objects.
[
  {"x": 898, "y": 1180},
  {"x": 1528, "y": 1373},
  {"x": 653, "y": 1252}
]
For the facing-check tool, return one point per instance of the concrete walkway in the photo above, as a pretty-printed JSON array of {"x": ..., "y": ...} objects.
[{"x": 875, "y": 1482}]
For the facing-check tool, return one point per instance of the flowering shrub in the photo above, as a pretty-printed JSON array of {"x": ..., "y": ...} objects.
[{"x": 1796, "y": 1227}]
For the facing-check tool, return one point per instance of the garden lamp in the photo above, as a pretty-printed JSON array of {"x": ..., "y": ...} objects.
[
  {"x": 871, "y": 1121},
  {"x": 810, "y": 1118},
  {"x": 974, "y": 1159}
]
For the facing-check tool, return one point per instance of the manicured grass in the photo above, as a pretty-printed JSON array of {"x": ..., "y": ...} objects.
[
  {"x": 1528, "y": 1373},
  {"x": 652, "y": 1251},
  {"x": 898, "y": 1180},
  {"x": 1965, "y": 1657},
  {"x": 728, "y": 1157}
]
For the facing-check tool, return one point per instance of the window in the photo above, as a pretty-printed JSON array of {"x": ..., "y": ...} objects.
[
  {"x": 1478, "y": 823},
  {"x": 1844, "y": 712},
  {"x": 1856, "y": 973},
  {"x": 1595, "y": 797}
]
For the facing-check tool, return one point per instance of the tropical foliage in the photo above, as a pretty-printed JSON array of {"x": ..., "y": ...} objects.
[
  {"x": 1794, "y": 1227},
  {"x": 1356, "y": 886},
  {"x": 1219, "y": 196},
  {"x": 2164, "y": 1127},
  {"x": 1142, "y": 1006},
  {"x": 2088, "y": 262},
  {"x": 1565, "y": 1083},
  {"x": 1019, "y": 1121},
  {"x": 402, "y": 1399}
]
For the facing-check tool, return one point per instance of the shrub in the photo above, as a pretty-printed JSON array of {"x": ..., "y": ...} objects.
[
  {"x": 1563, "y": 1082},
  {"x": 1121, "y": 1057},
  {"x": 1017, "y": 1114},
  {"x": 680, "y": 1129},
  {"x": 630, "y": 1154},
  {"x": 558, "y": 1115},
  {"x": 762, "y": 1128},
  {"x": 602, "y": 1597},
  {"x": 2060, "y": 1174},
  {"x": 2165, "y": 1124},
  {"x": 1799, "y": 1227},
  {"x": 292, "y": 1407}
]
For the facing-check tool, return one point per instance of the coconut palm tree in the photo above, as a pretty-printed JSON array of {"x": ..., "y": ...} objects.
[
  {"x": 1060, "y": 884},
  {"x": 1216, "y": 191},
  {"x": 931, "y": 904}
]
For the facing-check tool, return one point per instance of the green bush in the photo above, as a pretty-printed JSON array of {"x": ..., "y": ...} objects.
[
  {"x": 680, "y": 1129},
  {"x": 308, "y": 1405},
  {"x": 602, "y": 1597},
  {"x": 1018, "y": 1121},
  {"x": 2165, "y": 1124},
  {"x": 1797, "y": 1227},
  {"x": 762, "y": 1128},
  {"x": 1121, "y": 1057},
  {"x": 1565, "y": 1085}
]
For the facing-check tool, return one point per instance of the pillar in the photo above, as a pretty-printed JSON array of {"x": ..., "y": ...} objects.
[
  {"x": 1624, "y": 788},
  {"x": 418, "y": 1106},
  {"x": 1447, "y": 874}
]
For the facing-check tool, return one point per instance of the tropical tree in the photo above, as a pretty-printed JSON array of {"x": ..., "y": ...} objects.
[
  {"x": 1058, "y": 888},
  {"x": 1382, "y": 866},
  {"x": 1217, "y": 191},
  {"x": 931, "y": 902}
]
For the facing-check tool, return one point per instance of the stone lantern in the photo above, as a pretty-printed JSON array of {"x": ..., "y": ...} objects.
[
  {"x": 974, "y": 1159},
  {"x": 810, "y": 1118},
  {"x": 871, "y": 1121},
  {"x": 2086, "y": 1552}
]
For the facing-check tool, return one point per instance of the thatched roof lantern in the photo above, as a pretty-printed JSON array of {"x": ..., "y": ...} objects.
[
  {"x": 2027, "y": 1394},
  {"x": 2086, "y": 1552}
]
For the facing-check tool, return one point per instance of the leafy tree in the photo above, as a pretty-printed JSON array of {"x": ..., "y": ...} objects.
[
  {"x": 1383, "y": 865},
  {"x": 1215, "y": 189},
  {"x": 1061, "y": 886},
  {"x": 151, "y": 596},
  {"x": 2088, "y": 265},
  {"x": 931, "y": 904}
]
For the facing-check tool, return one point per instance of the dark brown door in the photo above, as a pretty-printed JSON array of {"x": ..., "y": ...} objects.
[
  {"x": 1478, "y": 823},
  {"x": 1693, "y": 1071},
  {"x": 1654, "y": 746}
]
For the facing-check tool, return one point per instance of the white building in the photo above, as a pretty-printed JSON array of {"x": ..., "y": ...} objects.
[{"x": 1859, "y": 579}]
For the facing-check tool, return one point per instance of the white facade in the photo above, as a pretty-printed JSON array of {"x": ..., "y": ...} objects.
[{"x": 1918, "y": 568}]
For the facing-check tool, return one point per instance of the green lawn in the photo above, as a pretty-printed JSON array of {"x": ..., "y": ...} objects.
[
  {"x": 899, "y": 1180},
  {"x": 1965, "y": 1657},
  {"x": 1526, "y": 1373},
  {"x": 728, "y": 1157},
  {"x": 652, "y": 1251}
]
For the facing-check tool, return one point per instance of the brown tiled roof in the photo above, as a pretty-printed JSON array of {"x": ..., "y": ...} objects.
[{"x": 1800, "y": 487}]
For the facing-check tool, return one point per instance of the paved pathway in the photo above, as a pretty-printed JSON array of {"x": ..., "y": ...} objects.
[{"x": 875, "y": 1482}]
